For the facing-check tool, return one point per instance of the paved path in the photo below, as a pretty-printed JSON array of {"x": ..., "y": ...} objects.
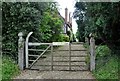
[
  {"x": 31, "y": 74},
  {"x": 34, "y": 74}
]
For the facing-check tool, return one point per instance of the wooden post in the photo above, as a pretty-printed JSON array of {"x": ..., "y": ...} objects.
[
  {"x": 87, "y": 44},
  {"x": 21, "y": 51},
  {"x": 92, "y": 53},
  {"x": 51, "y": 56},
  {"x": 88, "y": 53}
]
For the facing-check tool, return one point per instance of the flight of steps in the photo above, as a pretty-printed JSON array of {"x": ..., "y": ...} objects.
[{"x": 61, "y": 59}]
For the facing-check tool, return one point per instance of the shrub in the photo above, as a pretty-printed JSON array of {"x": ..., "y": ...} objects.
[
  {"x": 108, "y": 70},
  {"x": 9, "y": 69},
  {"x": 41, "y": 18},
  {"x": 106, "y": 64},
  {"x": 102, "y": 51},
  {"x": 65, "y": 38}
]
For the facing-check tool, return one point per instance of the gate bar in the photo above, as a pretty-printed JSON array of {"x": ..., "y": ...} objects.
[
  {"x": 69, "y": 56},
  {"x": 40, "y": 56},
  {"x": 52, "y": 56},
  {"x": 26, "y": 48},
  {"x": 37, "y": 44}
]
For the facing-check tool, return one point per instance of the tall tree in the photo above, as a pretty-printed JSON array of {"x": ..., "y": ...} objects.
[{"x": 102, "y": 19}]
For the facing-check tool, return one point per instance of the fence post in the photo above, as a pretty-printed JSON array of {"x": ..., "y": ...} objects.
[
  {"x": 87, "y": 44},
  {"x": 92, "y": 53},
  {"x": 21, "y": 51},
  {"x": 88, "y": 53}
]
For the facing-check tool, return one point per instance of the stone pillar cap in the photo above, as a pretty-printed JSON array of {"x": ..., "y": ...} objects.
[{"x": 20, "y": 34}]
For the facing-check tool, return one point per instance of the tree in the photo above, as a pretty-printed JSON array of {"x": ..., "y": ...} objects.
[
  {"x": 80, "y": 16},
  {"x": 102, "y": 19},
  {"x": 40, "y": 17}
]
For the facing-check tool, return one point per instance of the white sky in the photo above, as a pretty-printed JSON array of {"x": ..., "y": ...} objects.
[{"x": 70, "y": 5}]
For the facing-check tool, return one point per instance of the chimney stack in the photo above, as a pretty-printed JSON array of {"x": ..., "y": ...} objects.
[
  {"x": 71, "y": 21},
  {"x": 66, "y": 14},
  {"x": 69, "y": 18}
]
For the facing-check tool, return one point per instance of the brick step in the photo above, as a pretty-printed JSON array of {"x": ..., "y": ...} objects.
[
  {"x": 67, "y": 53},
  {"x": 44, "y": 56},
  {"x": 70, "y": 55},
  {"x": 58, "y": 50},
  {"x": 60, "y": 68},
  {"x": 71, "y": 50},
  {"x": 73, "y": 53},
  {"x": 75, "y": 68},
  {"x": 60, "y": 63},
  {"x": 67, "y": 49},
  {"x": 77, "y": 43},
  {"x": 73, "y": 47},
  {"x": 64, "y": 59}
]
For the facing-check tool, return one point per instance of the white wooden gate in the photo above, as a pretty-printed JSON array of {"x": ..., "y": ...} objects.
[
  {"x": 50, "y": 45},
  {"x": 49, "y": 48}
]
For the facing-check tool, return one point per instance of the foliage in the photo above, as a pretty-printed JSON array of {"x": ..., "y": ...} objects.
[
  {"x": 80, "y": 35},
  {"x": 9, "y": 69},
  {"x": 102, "y": 19},
  {"x": 106, "y": 64},
  {"x": 109, "y": 70},
  {"x": 50, "y": 26},
  {"x": 65, "y": 38},
  {"x": 79, "y": 15},
  {"x": 74, "y": 38},
  {"x": 40, "y": 17},
  {"x": 69, "y": 33},
  {"x": 71, "y": 36},
  {"x": 102, "y": 51}
]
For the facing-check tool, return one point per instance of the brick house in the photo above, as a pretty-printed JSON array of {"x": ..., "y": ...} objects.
[{"x": 67, "y": 25}]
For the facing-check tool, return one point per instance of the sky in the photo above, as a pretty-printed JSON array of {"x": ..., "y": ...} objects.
[{"x": 70, "y": 5}]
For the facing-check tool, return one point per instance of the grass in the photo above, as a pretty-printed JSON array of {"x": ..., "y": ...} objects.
[
  {"x": 108, "y": 71},
  {"x": 106, "y": 64},
  {"x": 9, "y": 69}
]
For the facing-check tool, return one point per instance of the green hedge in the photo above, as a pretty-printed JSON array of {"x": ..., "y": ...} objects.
[{"x": 40, "y": 17}]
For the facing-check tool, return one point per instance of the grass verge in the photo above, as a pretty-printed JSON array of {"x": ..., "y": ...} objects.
[
  {"x": 106, "y": 64},
  {"x": 9, "y": 69}
]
